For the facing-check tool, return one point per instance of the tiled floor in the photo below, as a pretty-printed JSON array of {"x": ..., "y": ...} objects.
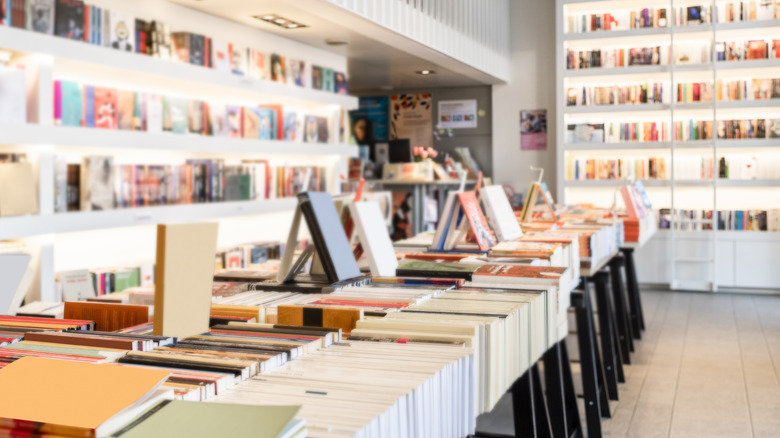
[{"x": 708, "y": 365}]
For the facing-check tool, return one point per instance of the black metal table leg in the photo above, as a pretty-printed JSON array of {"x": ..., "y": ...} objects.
[
  {"x": 542, "y": 417},
  {"x": 592, "y": 374},
  {"x": 610, "y": 349},
  {"x": 634, "y": 299},
  {"x": 561, "y": 399},
  {"x": 523, "y": 407},
  {"x": 621, "y": 309},
  {"x": 573, "y": 422}
]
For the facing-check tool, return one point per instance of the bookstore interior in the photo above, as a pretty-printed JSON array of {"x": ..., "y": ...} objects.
[{"x": 389, "y": 218}]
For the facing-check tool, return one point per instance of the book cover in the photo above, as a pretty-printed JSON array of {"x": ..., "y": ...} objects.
[
  {"x": 340, "y": 83},
  {"x": 69, "y": 21},
  {"x": 181, "y": 46},
  {"x": 154, "y": 114},
  {"x": 277, "y": 121},
  {"x": 295, "y": 72},
  {"x": 106, "y": 108},
  {"x": 235, "y": 120},
  {"x": 500, "y": 213},
  {"x": 197, "y": 50},
  {"x": 422, "y": 268},
  {"x": 311, "y": 129},
  {"x": 13, "y": 104},
  {"x": 97, "y": 183},
  {"x": 222, "y": 54},
  {"x": 179, "y": 110},
  {"x": 374, "y": 237},
  {"x": 71, "y": 99},
  {"x": 251, "y": 123},
  {"x": 18, "y": 12},
  {"x": 514, "y": 273},
  {"x": 291, "y": 125},
  {"x": 266, "y": 123},
  {"x": 219, "y": 120},
  {"x": 122, "y": 31},
  {"x": 195, "y": 116},
  {"x": 125, "y": 103},
  {"x": 278, "y": 68},
  {"x": 328, "y": 80},
  {"x": 259, "y": 67},
  {"x": 316, "y": 77},
  {"x": 239, "y": 60},
  {"x": 18, "y": 194},
  {"x": 40, "y": 14},
  {"x": 477, "y": 222}
]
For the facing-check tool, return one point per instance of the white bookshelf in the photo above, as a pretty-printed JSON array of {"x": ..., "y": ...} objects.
[
  {"x": 47, "y": 58},
  {"x": 704, "y": 260}
]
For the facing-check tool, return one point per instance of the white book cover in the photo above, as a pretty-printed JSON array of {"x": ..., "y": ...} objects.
[
  {"x": 370, "y": 224},
  {"x": 500, "y": 214},
  {"x": 40, "y": 16},
  {"x": 122, "y": 31},
  {"x": 76, "y": 285},
  {"x": 13, "y": 95},
  {"x": 154, "y": 114},
  {"x": 223, "y": 56}
]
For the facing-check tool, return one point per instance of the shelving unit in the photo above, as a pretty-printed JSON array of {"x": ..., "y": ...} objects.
[
  {"x": 47, "y": 58},
  {"x": 704, "y": 260}
]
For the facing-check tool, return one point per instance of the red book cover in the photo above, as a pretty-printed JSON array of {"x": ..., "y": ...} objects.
[
  {"x": 520, "y": 271},
  {"x": 86, "y": 24},
  {"x": 105, "y": 108},
  {"x": 477, "y": 222}
]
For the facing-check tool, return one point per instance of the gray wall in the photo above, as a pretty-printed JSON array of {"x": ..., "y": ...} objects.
[{"x": 479, "y": 139}]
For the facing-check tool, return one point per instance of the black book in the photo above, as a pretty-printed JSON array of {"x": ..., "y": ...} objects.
[
  {"x": 197, "y": 49},
  {"x": 69, "y": 21},
  {"x": 328, "y": 235}
]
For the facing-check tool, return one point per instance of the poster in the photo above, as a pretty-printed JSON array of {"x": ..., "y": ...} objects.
[
  {"x": 411, "y": 116},
  {"x": 457, "y": 114},
  {"x": 533, "y": 130},
  {"x": 369, "y": 121}
]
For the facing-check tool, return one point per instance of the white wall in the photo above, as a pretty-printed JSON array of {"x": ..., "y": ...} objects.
[{"x": 531, "y": 86}]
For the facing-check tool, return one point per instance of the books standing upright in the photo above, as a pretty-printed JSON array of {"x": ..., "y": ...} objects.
[
  {"x": 184, "y": 277},
  {"x": 500, "y": 213},
  {"x": 374, "y": 237}
]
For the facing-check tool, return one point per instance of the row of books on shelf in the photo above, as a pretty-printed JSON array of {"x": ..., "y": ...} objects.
[
  {"x": 615, "y": 94},
  {"x": 97, "y": 183},
  {"x": 625, "y": 19},
  {"x": 108, "y": 108},
  {"x": 76, "y": 20},
  {"x": 689, "y": 52},
  {"x": 730, "y": 220},
  {"x": 734, "y": 90},
  {"x": 764, "y": 166},
  {"x": 685, "y": 92},
  {"x": 691, "y": 130}
]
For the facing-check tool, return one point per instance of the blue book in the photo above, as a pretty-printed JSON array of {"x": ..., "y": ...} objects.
[
  {"x": 72, "y": 111},
  {"x": 267, "y": 123},
  {"x": 89, "y": 106}
]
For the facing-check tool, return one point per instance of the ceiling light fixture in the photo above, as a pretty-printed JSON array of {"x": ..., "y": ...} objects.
[
  {"x": 279, "y": 21},
  {"x": 426, "y": 72},
  {"x": 336, "y": 42}
]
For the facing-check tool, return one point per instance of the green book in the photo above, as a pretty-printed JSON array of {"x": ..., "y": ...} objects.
[
  {"x": 122, "y": 280},
  {"x": 422, "y": 268},
  {"x": 209, "y": 420},
  {"x": 246, "y": 187}
]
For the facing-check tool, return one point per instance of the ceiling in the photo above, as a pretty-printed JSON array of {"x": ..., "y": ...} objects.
[{"x": 378, "y": 59}]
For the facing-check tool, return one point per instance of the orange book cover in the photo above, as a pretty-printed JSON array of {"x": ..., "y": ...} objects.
[
  {"x": 477, "y": 222},
  {"x": 502, "y": 272},
  {"x": 70, "y": 398}
]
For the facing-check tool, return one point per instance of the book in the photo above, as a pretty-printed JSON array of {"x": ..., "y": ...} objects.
[
  {"x": 70, "y": 19},
  {"x": 295, "y": 72},
  {"x": 36, "y": 394},
  {"x": 13, "y": 88},
  {"x": 179, "y": 115},
  {"x": 292, "y": 126},
  {"x": 278, "y": 68},
  {"x": 328, "y": 235},
  {"x": 205, "y": 420},
  {"x": 266, "y": 123},
  {"x": 106, "y": 116},
  {"x": 500, "y": 213},
  {"x": 97, "y": 183},
  {"x": 340, "y": 83},
  {"x": 374, "y": 238},
  {"x": 13, "y": 268},
  {"x": 76, "y": 285},
  {"x": 223, "y": 56},
  {"x": 108, "y": 317},
  {"x": 476, "y": 219},
  {"x": 420, "y": 268},
  {"x": 251, "y": 123},
  {"x": 520, "y": 274},
  {"x": 183, "y": 278},
  {"x": 125, "y": 105},
  {"x": 328, "y": 80},
  {"x": 18, "y": 189},
  {"x": 319, "y": 316},
  {"x": 316, "y": 77},
  {"x": 122, "y": 31},
  {"x": 40, "y": 16}
]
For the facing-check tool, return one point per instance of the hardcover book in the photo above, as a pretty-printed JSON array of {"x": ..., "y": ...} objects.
[
  {"x": 291, "y": 127},
  {"x": 69, "y": 21},
  {"x": 71, "y": 99},
  {"x": 235, "y": 120},
  {"x": 122, "y": 31},
  {"x": 295, "y": 72},
  {"x": 316, "y": 77},
  {"x": 40, "y": 15},
  {"x": 105, "y": 108},
  {"x": 125, "y": 109},
  {"x": 266, "y": 124},
  {"x": 97, "y": 183},
  {"x": 477, "y": 222},
  {"x": 251, "y": 123},
  {"x": 328, "y": 80},
  {"x": 278, "y": 68},
  {"x": 340, "y": 83},
  {"x": 500, "y": 213}
]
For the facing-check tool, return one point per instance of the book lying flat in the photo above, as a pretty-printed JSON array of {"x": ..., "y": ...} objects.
[
  {"x": 420, "y": 268},
  {"x": 207, "y": 420},
  {"x": 71, "y": 398}
]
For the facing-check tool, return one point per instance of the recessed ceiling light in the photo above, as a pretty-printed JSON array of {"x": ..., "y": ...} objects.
[
  {"x": 279, "y": 21},
  {"x": 336, "y": 42},
  {"x": 426, "y": 72}
]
